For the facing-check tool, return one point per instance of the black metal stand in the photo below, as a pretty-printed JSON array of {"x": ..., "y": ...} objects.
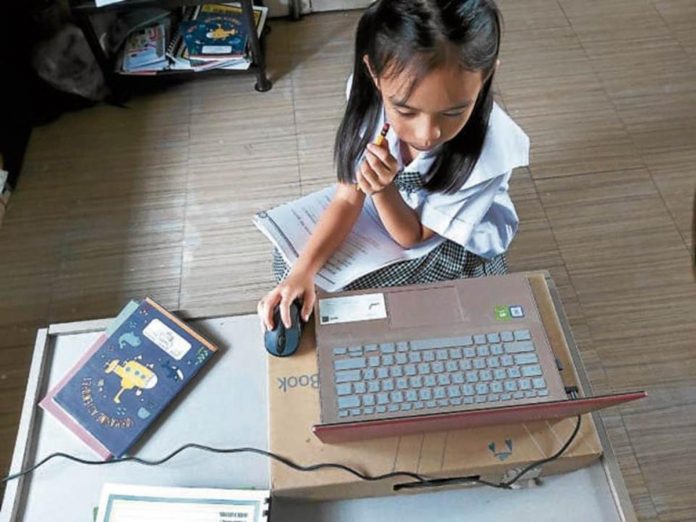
[{"x": 82, "y": 10}]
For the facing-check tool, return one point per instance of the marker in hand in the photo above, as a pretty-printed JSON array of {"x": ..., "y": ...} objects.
[{"x": 378, "y": 141}]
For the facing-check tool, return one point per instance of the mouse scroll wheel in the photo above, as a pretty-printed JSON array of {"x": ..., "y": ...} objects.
[{"x": 280, "y": 344}]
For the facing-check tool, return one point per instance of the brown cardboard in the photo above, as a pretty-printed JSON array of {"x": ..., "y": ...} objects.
[{"x": 294, "y": 409}]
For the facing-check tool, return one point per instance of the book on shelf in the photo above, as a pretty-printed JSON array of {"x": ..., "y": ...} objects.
[
  {"x": 129, "y": 375},
  {"x": 141, "y": 503},
  {"x": 219, "y": 31},
  {"x": 145, "y": 49},
  {"x": 180, "y": 60},
  {"x": 129, "y": 21},
  {"x": 178, "y": 55}
]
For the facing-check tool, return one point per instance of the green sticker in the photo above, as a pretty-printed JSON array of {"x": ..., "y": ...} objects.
[{"x": 502, "y": 313}]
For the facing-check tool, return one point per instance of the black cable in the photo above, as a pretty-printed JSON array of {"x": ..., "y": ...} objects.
[
  {"x": 421, "y": 480},
  {"x": 548, "y": 459},
  {"x": 279, "y": 458},
  {"x": 501, "y": 485}
]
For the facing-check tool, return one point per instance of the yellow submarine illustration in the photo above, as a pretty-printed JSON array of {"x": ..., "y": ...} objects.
[
  {"x": 219, "y": 33},
  {"x": 133, "y": 375}
]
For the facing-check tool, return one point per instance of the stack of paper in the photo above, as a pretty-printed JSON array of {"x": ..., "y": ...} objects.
[
  {"x": 132, "y": 503},
  {"x": 367, "y": 248}
]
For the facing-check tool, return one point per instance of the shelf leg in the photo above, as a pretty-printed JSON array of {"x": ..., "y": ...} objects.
[
  {"x": 85, "y": 23},
  {"x": 262, "y": 82}
]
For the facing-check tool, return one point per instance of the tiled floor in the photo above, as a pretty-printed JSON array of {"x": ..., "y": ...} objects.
[{"x": 157, "y": 200}]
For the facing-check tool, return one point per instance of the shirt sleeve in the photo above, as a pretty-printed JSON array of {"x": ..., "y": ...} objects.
[
  {"x": 458, "y": 216},
  {"x": 494, "y": 233}
]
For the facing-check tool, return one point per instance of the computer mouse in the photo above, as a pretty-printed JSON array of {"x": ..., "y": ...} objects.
[{"x": 282, "y": 341}]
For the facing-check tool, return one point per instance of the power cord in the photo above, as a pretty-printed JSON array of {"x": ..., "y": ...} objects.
[{"x": 420, "y": 480}]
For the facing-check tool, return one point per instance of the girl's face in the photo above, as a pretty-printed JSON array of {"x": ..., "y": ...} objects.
[{"x": 437, "y": 108}]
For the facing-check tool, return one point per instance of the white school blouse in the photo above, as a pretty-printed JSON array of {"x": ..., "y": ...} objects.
[{"x": 480, "y": 216}]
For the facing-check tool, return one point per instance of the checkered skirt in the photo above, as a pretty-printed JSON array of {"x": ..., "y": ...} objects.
[{"x": 447, "y": 261}]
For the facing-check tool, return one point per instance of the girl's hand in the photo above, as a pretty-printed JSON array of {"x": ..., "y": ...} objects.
[
  {"x": 378, "y": 170},
  {"x": 296, "y": 286}
]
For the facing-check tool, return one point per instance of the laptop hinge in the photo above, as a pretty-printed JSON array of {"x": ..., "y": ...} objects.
[{"x": 572, "y": 391}]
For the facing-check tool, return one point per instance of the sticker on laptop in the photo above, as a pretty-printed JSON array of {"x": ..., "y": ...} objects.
[
  {"x": 167, "y": 339},
  {"x": 351, "y": 308},
  {"x": 505, "y": 313},
  {"x": 516, "y": 311}
]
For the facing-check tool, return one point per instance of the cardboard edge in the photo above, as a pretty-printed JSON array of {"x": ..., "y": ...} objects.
[
  {"x": 336, "y": 489},
  {"x": 370, "y": 489}
]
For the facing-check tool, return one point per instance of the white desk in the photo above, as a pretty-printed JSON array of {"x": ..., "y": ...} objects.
[{"x": 226, "y": 407}]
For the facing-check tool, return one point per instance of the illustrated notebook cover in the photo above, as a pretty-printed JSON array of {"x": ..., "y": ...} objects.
[
  {"x": 146, "y": 47},
  {"x": 218, "y": 30},
  {"x": 128, "y": 377}
]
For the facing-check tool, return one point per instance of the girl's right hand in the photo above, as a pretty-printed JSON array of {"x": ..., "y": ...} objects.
[
  {"x": 296, "y": 286},
  {"x": 378, "y": 170}
]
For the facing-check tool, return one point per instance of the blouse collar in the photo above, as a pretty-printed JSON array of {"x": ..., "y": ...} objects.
[{"x": 505, "y": 148}]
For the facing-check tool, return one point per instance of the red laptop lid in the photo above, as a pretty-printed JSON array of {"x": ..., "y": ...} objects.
[{"x": 352, "y": 431}]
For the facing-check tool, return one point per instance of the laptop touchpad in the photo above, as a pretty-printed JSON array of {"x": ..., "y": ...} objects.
[{"x": 423, "y": 307}]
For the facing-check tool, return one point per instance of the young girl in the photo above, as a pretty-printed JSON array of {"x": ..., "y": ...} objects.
[{"x": 426, "y": 68}]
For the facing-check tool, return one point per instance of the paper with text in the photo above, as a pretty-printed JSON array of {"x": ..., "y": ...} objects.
[
  {"x": 367, "y": 248},
  {"x": 352, "y": 308},
  {"x": 134, "y": 503}
]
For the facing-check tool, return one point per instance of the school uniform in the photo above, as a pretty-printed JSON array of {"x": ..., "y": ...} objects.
[{"x": 474, "y": 226}]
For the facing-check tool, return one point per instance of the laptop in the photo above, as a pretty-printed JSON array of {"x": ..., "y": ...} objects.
[{"x": 441, "y": 356}]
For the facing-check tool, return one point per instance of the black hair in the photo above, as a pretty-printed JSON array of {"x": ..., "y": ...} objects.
[{"x": 420, "y": 36}]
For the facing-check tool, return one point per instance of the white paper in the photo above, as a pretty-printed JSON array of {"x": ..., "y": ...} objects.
[
  {"x": 133, "y": 503},
  {"x": 216, "y": 49},
  {"x": 367, "y": 248},
  {"x": 167, "y": 339},
  {"x": 102, "y": 3},
  {"x": 348, "y": 309}
]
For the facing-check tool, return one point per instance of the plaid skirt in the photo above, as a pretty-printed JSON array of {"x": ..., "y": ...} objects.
[{"x": 447, "y": 261}]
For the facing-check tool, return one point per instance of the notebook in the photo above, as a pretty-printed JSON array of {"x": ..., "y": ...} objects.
[
  {"x": 436, "y": 357},
  {"x": 127, "y": 377}
]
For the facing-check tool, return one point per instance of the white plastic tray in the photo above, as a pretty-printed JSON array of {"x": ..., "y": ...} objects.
[{"x": 226, "y": 407}]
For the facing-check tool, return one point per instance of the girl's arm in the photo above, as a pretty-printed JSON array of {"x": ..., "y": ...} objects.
[
  {"x": 400, "y": 220},
  {"x": 333, "y": 227},
  {"x": 375, "y": 177}
]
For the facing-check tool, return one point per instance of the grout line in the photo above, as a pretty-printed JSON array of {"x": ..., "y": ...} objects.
[
  {"x": 625, "y": 128},
  {"x": 187, "y": 179},
  {"x": 671, "y": 32},
  {"x": 580, "y": 304},
  {"x": 297, "y": 138}
]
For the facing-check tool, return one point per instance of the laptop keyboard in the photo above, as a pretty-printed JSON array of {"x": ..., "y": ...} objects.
[{"x": 422, "y": 376}]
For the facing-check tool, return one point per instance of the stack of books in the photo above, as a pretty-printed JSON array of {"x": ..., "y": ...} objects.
[
  {"x": 127, "y": 377},
  {"x": 196, "y": 38},
  {"x": 144, "y": 50}
]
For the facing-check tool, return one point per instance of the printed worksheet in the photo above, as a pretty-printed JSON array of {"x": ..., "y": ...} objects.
[
  {"x": 367, "y": 248},
  {"x": 135, "y": 503}
]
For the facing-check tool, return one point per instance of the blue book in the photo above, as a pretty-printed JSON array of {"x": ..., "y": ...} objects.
[
  {"x": 217, "y": 31},
  {"x": 128, "y": 377}
]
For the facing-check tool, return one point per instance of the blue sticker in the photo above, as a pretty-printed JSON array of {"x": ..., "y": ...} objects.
[{"x": 501, "y": 454}]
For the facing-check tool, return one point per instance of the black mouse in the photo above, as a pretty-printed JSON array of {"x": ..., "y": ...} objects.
[{"x": 282, "y": 341}]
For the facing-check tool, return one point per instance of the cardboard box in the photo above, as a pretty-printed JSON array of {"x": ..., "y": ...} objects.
[{"x": 492, "y": 453}]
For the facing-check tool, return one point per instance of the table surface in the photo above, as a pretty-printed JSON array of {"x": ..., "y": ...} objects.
[{"x": 226, "y": 406}]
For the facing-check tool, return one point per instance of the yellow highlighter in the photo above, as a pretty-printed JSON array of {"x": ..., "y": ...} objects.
[{"x": 378, "y": 141}]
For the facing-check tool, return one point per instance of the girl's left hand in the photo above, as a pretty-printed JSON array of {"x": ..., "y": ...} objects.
[{"x": 378, "y": 170}]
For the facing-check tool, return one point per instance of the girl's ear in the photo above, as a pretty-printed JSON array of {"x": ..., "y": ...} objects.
[{"x": 375, "y": 80}]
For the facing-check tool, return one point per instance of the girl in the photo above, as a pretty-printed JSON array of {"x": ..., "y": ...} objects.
[{"x": 426, "y": 68}]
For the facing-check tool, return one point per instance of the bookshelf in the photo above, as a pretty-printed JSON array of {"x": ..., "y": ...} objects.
[{"x": 86, "y": 14}]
